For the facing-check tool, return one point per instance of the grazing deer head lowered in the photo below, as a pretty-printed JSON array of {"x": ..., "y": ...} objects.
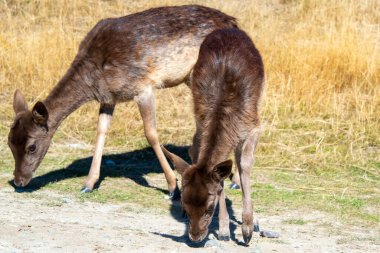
[
  {"x": 201, "y": 190},
  {"x": 29, "y": 138},
  {"x": 226, "y": 84},
  {"x": 120, "y": 59}
]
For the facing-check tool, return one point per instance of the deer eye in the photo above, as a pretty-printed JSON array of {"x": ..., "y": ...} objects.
[{"x": 32, "y": 148}]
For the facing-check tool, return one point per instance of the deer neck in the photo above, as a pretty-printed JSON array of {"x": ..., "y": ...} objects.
[
  {"x": 214, "y": 154},
  {"x": 69, "y": 94}
]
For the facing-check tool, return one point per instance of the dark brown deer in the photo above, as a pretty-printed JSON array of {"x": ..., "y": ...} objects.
[
  {"x": 226, "y": 84},
  {"x": 120, "y": 59}
]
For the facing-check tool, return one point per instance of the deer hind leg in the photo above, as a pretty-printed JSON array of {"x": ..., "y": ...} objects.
[
  {"x": 104, "y": 121},
  {"x": 244, "y": 158},
  {"x": 146, "y": 103},
  {"x": 224, "y": 219}
]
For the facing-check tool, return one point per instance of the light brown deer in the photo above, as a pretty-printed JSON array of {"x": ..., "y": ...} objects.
[
  {"x": 226, "y": 84},
  {"x": 120, "y": 59}
]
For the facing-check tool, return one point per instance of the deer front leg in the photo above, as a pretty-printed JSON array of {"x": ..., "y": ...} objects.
[
  {"x": 104, "y": 121},
  {"x": 224, "y": 219},
  {"x": 244, "y": 158},
  {"x": 146, "y": 103}
]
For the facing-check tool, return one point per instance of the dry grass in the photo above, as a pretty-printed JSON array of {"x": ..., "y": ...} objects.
[{"x": 322, "y": 103}]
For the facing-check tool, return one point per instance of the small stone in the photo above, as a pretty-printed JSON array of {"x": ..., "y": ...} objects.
[
  {"x": 66, "y": 200},
  {"x": 269, "y": 234}
]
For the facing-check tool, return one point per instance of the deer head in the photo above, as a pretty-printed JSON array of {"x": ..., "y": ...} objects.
[
  {"x": 201, "y": 188},
  {"x": 29, "y": 138}
]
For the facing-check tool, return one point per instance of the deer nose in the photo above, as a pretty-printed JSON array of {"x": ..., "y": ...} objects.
[
  {"x": 195, "y": 238},
  {"x": 20, "y": 183},
  {"x": 198, "y": 237}
]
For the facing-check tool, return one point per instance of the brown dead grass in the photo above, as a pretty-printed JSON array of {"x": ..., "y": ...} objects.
[{"x": 322, "y": 103}]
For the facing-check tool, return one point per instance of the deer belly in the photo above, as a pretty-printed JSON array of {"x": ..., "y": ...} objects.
[{"x": 174, "y": 63}]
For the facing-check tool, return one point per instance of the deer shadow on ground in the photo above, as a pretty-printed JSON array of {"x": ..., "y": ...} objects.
[
  {"x": 178, "y": 214},
  {"x": 133, "y": 165}
]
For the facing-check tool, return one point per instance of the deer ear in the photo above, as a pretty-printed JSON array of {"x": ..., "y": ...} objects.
[
  {"x": 19, "y": 103},
  {"x": 179, "y": 164},
  {"x": 221, "y": 171},
  {"x": 40, "y": 113}
]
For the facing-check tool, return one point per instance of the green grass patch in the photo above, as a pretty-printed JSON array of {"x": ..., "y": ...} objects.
[{"x": 295, "y": 221}]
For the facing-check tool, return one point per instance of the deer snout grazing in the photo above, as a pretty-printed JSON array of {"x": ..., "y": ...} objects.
[
  {"x": 21, "y": 180},
  {"x": 197, "y": 236}
]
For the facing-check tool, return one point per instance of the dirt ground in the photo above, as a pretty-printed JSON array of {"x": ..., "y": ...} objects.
[{"x": 49, "y": 222}]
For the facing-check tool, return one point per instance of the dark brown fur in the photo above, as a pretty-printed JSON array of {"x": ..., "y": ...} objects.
[
  {"x": 226, "y": 83},
  {"x": 120, "y": 59}
]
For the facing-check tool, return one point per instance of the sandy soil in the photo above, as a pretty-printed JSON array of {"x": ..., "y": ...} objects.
[{"x": 50, "y": 222}]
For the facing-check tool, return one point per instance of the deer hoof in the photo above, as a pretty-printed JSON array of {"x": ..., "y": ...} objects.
[
  {"x": 247, "y": 233},
  {"x": 85, "y": 190},
  {"x": 234, "y": 186},
  {"x": 223, "y": 237},
  {"x": 256, "y": 227}
]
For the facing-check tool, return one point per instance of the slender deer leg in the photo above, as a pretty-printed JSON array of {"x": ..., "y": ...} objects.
[
  {"x": 224, "y": 219},
  {"x": 105, "y": 116},
  {"x": 146, "y": 104},
  {"x": 244, "y": 158}
]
